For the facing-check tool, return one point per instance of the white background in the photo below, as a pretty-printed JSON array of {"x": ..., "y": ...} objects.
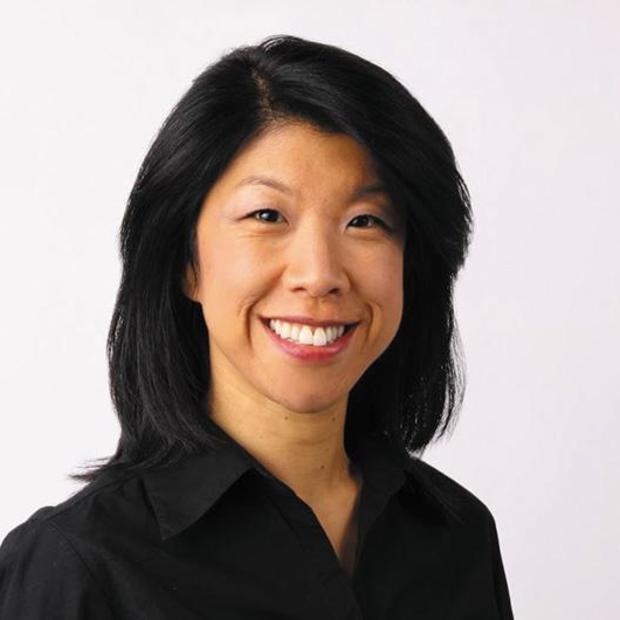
[{"x": 528, "y": 93}]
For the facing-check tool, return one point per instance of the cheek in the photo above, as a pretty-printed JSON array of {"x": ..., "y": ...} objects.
[
  {"x": 382, "y": 278},
  {"x": 392, "y": 301},
  {"x": 231, "y": 279},
  {"x": 232, "y": 267},
  {"x": 383, "y": 289}
]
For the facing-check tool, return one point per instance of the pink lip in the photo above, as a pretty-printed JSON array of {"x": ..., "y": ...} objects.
[{"x": 308, "y": 352}]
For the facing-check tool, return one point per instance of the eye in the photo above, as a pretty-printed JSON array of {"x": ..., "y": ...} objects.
[
  {"x": 381, "y": 222},
  {"x": 255, "y": 215}
]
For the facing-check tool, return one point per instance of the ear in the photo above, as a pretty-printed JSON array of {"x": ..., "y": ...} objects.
[{"x": 189, "y": 284}]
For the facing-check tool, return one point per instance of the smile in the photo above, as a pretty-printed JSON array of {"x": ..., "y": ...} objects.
[{"x": 308, "y": 345}]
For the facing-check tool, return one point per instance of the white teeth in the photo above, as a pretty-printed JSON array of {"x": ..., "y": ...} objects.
[{"x": 303, "y": 334}]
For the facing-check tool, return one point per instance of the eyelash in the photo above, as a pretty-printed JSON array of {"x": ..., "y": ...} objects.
[{"x": 381, "y": 222}]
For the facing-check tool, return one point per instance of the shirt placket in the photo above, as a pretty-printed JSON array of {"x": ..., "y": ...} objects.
[{"x": 332, "y": 582}]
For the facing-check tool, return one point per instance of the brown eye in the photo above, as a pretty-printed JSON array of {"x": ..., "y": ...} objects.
[
  {"x": 255, "y": 215},
  {"x": 372, "y": 217}
]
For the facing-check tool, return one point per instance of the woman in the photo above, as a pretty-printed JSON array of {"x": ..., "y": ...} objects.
[{"x": 282, "y": 343}]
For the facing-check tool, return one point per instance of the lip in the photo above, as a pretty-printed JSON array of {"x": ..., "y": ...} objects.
[{"x": 308, "y": 352}]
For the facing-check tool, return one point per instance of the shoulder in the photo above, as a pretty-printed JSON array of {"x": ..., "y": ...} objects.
[
  {"x": 35, "y": 543},
  {"x": 42, "y": 575},
  {"x": 468, "y": 534},
  {"x": 460, "y": 519},
  {"x": 444, "y": 497},
  {"x": 45, "y": 562},
  {"x": 77, "y": 507}
]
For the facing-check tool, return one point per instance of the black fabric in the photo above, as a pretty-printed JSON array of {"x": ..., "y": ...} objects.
[{"x": 217, "y": 536}]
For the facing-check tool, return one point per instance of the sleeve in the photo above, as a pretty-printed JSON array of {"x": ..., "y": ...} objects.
[
  {"x": 502, "y": 596},
  {"x": 43, "y": 577}
]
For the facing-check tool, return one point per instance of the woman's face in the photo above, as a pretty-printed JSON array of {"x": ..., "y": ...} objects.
[{"x": 313, "y": 253}]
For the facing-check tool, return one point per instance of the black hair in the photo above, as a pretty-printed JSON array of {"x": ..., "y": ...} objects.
[{"x": 157, "y": 344}]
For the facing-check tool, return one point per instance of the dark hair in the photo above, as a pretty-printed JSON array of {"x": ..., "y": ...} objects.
[{"x": 157, "y": 345}]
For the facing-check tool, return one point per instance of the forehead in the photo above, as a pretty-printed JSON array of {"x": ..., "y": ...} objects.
[{"x": 302, "y": 158}]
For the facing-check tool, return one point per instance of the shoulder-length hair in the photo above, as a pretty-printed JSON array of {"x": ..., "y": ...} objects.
[{"x": 157, "y": 344}]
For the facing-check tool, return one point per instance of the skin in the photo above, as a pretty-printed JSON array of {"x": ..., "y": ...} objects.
[{"x": 316, "y": 255}]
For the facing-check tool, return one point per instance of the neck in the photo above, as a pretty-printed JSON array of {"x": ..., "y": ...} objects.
[{"x": 303, "y": 450}]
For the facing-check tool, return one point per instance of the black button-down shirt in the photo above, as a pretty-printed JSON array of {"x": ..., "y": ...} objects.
[{"x": 216, "y": 536}]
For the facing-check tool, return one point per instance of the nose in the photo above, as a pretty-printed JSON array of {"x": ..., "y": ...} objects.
[{"x": 315, "y": 261}]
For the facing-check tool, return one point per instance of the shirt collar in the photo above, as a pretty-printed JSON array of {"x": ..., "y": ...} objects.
[{"x": 182, "y": 492}]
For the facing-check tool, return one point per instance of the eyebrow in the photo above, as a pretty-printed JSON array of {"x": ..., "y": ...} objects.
[{"x": 373, "y": 188}]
